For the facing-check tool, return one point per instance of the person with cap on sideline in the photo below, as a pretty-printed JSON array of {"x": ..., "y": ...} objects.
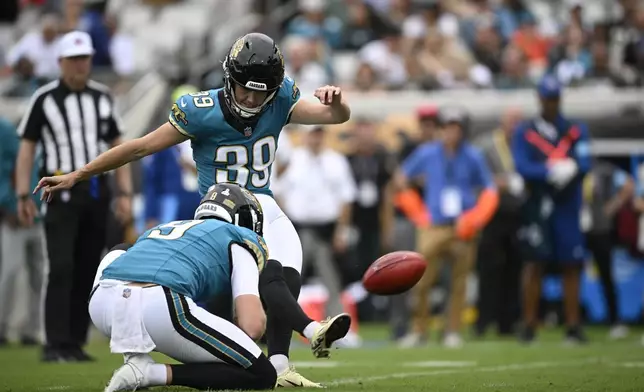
[
  {"x": 460, "y": 198},
  {"x": 552, "y": 154},
  {"x": 72, "y": 120}
]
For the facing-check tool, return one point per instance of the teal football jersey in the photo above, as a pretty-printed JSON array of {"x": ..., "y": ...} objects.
[
  {"x": 190, "y": 257},
  {"x": 226, "y": 150}
]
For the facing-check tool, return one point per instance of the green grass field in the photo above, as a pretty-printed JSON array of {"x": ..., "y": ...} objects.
[{"x": 487, "y": 365}]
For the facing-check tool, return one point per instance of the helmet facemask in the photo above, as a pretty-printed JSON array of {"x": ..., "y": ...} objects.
[{"x": 238, "y": 108}]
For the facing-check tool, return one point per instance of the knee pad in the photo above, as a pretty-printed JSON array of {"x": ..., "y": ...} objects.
[
  {"x": 122, "y": 246},
  {"x": 293, "y": 281},
  {"x": 265, "y": 372}
]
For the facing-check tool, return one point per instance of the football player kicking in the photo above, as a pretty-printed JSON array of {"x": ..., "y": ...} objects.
[
  {"x": 234, "y": 132},
  {"x": 144, "y": 299}
]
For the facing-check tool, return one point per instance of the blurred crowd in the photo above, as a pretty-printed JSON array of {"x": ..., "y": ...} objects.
[
  {"x": 30, "y": 58},
  {"x": 449, "y": 44},
  {"x": 375, "y": 45}
]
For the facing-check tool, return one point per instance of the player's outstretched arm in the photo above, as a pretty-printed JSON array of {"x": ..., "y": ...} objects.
[
  {"x": 163, "y": 137},
  {"x": 332, "y": 108}
]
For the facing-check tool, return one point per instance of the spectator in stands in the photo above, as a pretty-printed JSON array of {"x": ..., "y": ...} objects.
[
  {"x": 313, "y": 23},
  {"x": 21, "y": 246},
  {"x": 359, "y": 29},
  {"x": 606, "y": 190},
  {"x": 626, "y": 43},
  {"x": 445, "y": 62},
  {"x": 487, "y": 47},
  {"x": 40, "y": 49},
  {"x": 397, "y": 10},
  {"x": 571, "y": 60},
  {"x": 476, "y": 15},
  {"x": 366, "y": 79},
  {"x": 460, "y": 197},
  {"x": 534, "y": 46},
  {"x": 514, "y": 71},
  {"x": 499, "y": 256},
  {"x": 121, "y": 48},
  {"x": 429, "y": 19},
  {"x": 301, "y": 64},
  {"x": 385, "y": 57},
  {"x": 510, "y": 15},
  {"x": 404, "y": 230}
]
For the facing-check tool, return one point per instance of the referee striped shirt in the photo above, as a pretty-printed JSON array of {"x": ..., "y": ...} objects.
[{"x": 73, "y": 127}]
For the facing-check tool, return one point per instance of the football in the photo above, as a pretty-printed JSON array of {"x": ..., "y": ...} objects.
[{"x": 394, "y": 273}]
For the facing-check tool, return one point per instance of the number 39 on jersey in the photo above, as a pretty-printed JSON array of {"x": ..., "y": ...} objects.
[{"x": 239, "y": 159}]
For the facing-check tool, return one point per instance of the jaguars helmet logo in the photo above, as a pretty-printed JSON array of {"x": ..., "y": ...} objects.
[
  {"x": 237, "y": 47},
  {"x": 179, "y": 115},
  {"x": 249, "y": 195}
]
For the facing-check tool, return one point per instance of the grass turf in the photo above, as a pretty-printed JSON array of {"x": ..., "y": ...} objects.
[{"x": 485, "y": 365}]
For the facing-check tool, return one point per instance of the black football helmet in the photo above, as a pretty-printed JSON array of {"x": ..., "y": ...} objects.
[
  {"x": 233, "y": 204},
  {"x": 255, "y": 62}
]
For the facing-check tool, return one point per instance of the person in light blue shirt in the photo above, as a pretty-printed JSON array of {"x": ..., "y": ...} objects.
[
  {"x": 19, "y": 245},
  {"x": 460, "y": 198}
]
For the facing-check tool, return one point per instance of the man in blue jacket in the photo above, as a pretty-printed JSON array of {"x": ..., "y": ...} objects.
[
  {"x": 20, "y": 245},
  {"x": 552, "y": 154}
]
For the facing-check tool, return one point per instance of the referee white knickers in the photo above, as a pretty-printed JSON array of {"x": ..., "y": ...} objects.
[{"x": 175, "y": 324}]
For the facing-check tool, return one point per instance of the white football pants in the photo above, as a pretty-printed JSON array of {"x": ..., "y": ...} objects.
[
  {"x": 176, "y": 326},
  {"x": 282, "y": 240}
]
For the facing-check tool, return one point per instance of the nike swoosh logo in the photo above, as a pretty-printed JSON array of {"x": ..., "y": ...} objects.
[
  {"x": 294, "y": 384},
  {"x": 183, "y": 103}
]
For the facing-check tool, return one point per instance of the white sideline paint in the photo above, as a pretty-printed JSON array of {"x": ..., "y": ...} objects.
[
  {"x": 490, "y": 369},
  {"x": 440, "y": 364}
]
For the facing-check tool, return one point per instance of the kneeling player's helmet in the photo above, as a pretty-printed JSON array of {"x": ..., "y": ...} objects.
[
  {"x": 233, "y": 204},
  {"x": 256, "y": 63}
]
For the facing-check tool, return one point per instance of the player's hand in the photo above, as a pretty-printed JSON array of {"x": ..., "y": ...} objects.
[
  {"x": 49, "y": 185},
  {"x": 27, "y": 212},
  {"x": 123, "y": 210},
  {"x": 341, "y": 240},
  {"x": 329, "y": 95}
]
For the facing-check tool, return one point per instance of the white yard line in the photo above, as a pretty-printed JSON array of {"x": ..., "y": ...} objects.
[
  {"x": 490, "y": 369},
  {"x": 440, "y": 364}
]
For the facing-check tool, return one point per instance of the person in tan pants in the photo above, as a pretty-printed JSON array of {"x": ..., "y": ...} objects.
[
  {"x": 438, "y": 244},
  {"x": 460, "y": 198}
]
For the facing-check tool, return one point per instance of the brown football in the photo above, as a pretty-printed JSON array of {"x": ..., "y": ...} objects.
[{"x": 394, "y": 273}]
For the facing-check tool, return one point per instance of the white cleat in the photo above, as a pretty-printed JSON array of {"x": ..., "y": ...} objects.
[
  {"x": 131, "y": 376},
  {"x": 453, "y": 340},
  {"x": 330, "y": 330},
  {"x": 410, "y": 340},
  {"x": 618, "y": 332},
  {"x": 290, "y": 378}
]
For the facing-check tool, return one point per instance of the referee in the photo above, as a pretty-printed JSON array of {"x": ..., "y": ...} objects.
[{"x": 73, "y": 120}]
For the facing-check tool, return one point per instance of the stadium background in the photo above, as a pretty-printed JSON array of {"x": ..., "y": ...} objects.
[{"x": 166, "y": 44}]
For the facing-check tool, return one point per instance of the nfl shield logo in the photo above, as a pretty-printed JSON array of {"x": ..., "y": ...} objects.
[
  {"x": 127, "y": 293},
  {"x": 248, "y": 131}
]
